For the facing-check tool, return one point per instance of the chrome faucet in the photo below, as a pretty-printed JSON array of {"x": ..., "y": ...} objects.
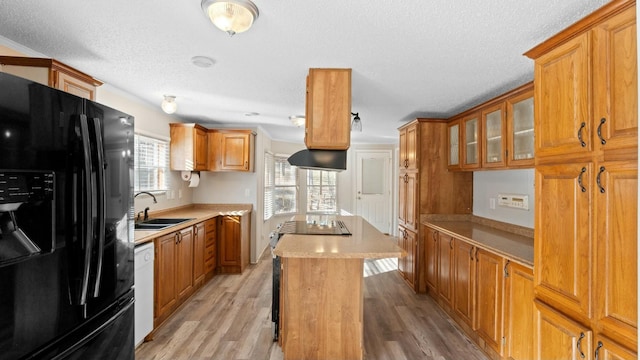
[
  {"x": 146, "y": 210},
  {"x": 148, "y": 193}
]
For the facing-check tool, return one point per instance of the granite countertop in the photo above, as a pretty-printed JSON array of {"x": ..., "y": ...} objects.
[
  {"x": 518, "y": 248},
  {"x": 365, "y": 241},
  {"x": 196, "y": 212}
]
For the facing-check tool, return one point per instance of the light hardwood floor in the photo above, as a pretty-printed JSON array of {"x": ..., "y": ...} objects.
[{"x": 230, "y": 318}]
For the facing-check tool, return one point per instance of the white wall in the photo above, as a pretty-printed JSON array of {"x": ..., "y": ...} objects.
[{"x": 488, "y": 184}]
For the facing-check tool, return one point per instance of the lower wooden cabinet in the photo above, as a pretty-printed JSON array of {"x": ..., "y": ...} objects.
[
  {"x": 607, "y": 349},
  {"x": 518, "y": 312},
  {"x": 488, "y": 314},
  {"x": 445, "y": 273},
  {"x": 558, "y": 337},
  {"x": 210, "y": 253},
  {"x": 233, "y": 240},
  {"x": 407, "y": 264},
  {"x": 173, "y": 272},
  {"x": 430, "y": 259},
  {"x": 464, "y": 281}
]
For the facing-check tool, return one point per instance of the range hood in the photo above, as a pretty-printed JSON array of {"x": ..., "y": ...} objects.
[{"x": 330, "y": 160}]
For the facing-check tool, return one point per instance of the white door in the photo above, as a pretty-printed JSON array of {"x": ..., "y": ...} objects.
[{"x": 373, "y": 188}]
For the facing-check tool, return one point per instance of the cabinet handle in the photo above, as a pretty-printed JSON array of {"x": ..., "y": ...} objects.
[
  {"x": 602, "y": 140},
  {"x": 246, "y": 165},
  {"x": 602, "y": 169},
  {"x": 506, "y": 269},
  {"x": 597, "y": 352},
  {"x": 471, "y": 253},
  {"x": 584, "y": 170},
  {"x": 406, "y": 163},
  {"x": 579, "y": 345},
  {"x": 433, "y": 235},
  {"x": 582, "y": 143},
  {"x": 451, "y": 244},
  {"x": 477, "y": 255},
  {"x": 177, "y": 237}
]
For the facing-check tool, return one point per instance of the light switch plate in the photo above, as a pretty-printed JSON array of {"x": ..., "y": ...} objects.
[{"x": 516, "y": 201}]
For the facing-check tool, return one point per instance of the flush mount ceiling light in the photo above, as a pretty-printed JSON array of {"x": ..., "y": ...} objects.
[
  {"x": 231, "y": 16},
  {"x": 297, "y": 120},
  {"x": 356, "y": 124},
  {"x": 169, "y": 104}
]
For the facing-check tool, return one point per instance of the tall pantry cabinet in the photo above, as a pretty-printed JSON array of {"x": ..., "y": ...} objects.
[
  {"x": 585, "y": 247},
  {"x": 425, "y": 187}
]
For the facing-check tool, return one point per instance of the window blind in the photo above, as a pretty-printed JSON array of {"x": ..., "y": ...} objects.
[{"x": 151, "y": 164}]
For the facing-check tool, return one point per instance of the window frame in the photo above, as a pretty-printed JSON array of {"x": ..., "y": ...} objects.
[
  {"x": 271, "y": 186},
  {"x": 163, "y": 176},
  {"x": 308, "y": 192}
]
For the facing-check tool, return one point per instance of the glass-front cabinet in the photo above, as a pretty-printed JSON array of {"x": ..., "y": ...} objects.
[
  {"x": 494, "y": 137},
  {"x": 520, "y": 130},
  {"x": 470, "y": 145},
  {"x": 453, "y": 144}
]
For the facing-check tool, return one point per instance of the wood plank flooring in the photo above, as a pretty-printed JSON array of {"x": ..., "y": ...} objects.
[{"x": 230, "y": 318}]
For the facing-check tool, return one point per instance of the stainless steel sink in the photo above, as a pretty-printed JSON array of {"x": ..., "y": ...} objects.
[{"x": 159, "y": 223}]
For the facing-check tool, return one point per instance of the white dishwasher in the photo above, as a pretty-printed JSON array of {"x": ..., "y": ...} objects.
[{"x": 143, "y": 280}]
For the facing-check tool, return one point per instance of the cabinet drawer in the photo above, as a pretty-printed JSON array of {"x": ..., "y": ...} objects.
[
  {"x": 209, "y": 265},
  {"x": 209, "y": 252}
]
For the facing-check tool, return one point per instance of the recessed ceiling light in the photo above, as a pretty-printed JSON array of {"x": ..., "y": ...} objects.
[
  {"x": 202, "y": 61},
  {"x": 252, "y": 114}
]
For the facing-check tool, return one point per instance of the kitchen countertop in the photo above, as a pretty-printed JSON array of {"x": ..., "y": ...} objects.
[
  {"x": 196, "y": 212},
  {"x": 515, "y": 247},
  {"x": 365, "y": 241}
]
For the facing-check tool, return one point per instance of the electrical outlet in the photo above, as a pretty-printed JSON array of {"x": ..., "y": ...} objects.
[{"x": 492, "y": 203}]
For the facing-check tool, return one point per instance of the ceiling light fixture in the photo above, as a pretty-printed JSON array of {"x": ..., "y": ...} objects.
[
  {"x": 356, "y": 124},
  {"x": 297, "y": 120},
  {"x": 231, "y": 16},
  {"x": 169, "y": 104},
  {"x": 202, "y": 61}
]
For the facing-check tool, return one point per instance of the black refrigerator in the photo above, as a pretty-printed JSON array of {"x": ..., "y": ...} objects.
[{"x": 66, "y": 225}]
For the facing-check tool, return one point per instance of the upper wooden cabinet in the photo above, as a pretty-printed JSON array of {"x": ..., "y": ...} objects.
[
  {"x": 520, "y": 130},
  {"x": 189, "y": 147},
  {"x": 470, "y": 135},
  {"x": 231, "y": 150},
  {"x": 51, "y": 73},
  {"x": 453, "y": 144},
  {"x": 409, "y": 138},
  {"x": 587, "y": 90},
  {"x": 493, "y": 136},
  {"x": 328, "y": 109}
]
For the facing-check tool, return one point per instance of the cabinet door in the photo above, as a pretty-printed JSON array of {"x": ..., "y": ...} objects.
[
  {"x": 229, "y": 236},
  {"x": 615, "y": 80},
  {"x": 470, "y": 141},
  {"x": 409, "y": 245},
  {"x": 235, "y": 151},
  {"x": 453, "y": 144},
  {"x": 412, "y": 147},
  {"x": 445, "y": 273},
  {"x": 489, "y": 273},
  {"x": 464, "y": 283},
  {"x": 408, "y": 200},
  {"x": 403, "y": 162},
  {"x": 184, "y": 263},
  {"x": 72, "y": 85},
  {"x": 165, "y": 265},
  {"x": 493, "y": 136},
  {"x": 607, "y": 349},
  {"x": 562, "y": 99},
  {"x": 558, "y": 337},
  {"x": 615, "y": 270},
  {"x": 201, "y": 149},
  {"x": 518, "y": 312},
  {"x": 328, "y": 109},
  {"x": 520, "y": 130},
  {"x": 199, "y": 238},
  {"x": 562, "y": 237},
  {"x": 431, "y": 260}
]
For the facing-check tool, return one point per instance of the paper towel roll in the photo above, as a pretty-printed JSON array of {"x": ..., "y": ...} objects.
[{"x": 195, "y": 180}]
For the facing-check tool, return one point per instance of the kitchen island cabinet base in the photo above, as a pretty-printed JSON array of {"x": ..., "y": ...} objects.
[{"x": 321, "y": 306}]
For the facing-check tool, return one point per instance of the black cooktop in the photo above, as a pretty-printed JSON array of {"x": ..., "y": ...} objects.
[{"x": 333, "y": 227}]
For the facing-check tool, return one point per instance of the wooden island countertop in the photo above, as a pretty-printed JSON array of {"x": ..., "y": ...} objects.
[
  {"x": 365, "y": 241},
  {"x": 321, "y": 288}
]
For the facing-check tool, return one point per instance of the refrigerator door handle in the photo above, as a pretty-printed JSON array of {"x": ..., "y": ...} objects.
[
  {"x": 88, "y": 206},
  {"x": 102, "y": 203}
]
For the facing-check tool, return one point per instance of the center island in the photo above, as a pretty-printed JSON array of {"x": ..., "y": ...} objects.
[{"x": 321, "y": 288}]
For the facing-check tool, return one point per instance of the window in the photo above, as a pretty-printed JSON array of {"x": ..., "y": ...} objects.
[
  {"x": 151, "y": 164},
  {"x": 280, "y": 186},
  {"x": 321, "y": 191}
]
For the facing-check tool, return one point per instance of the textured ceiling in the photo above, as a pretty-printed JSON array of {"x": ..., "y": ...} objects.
[{"x": 410, "y": 58}]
